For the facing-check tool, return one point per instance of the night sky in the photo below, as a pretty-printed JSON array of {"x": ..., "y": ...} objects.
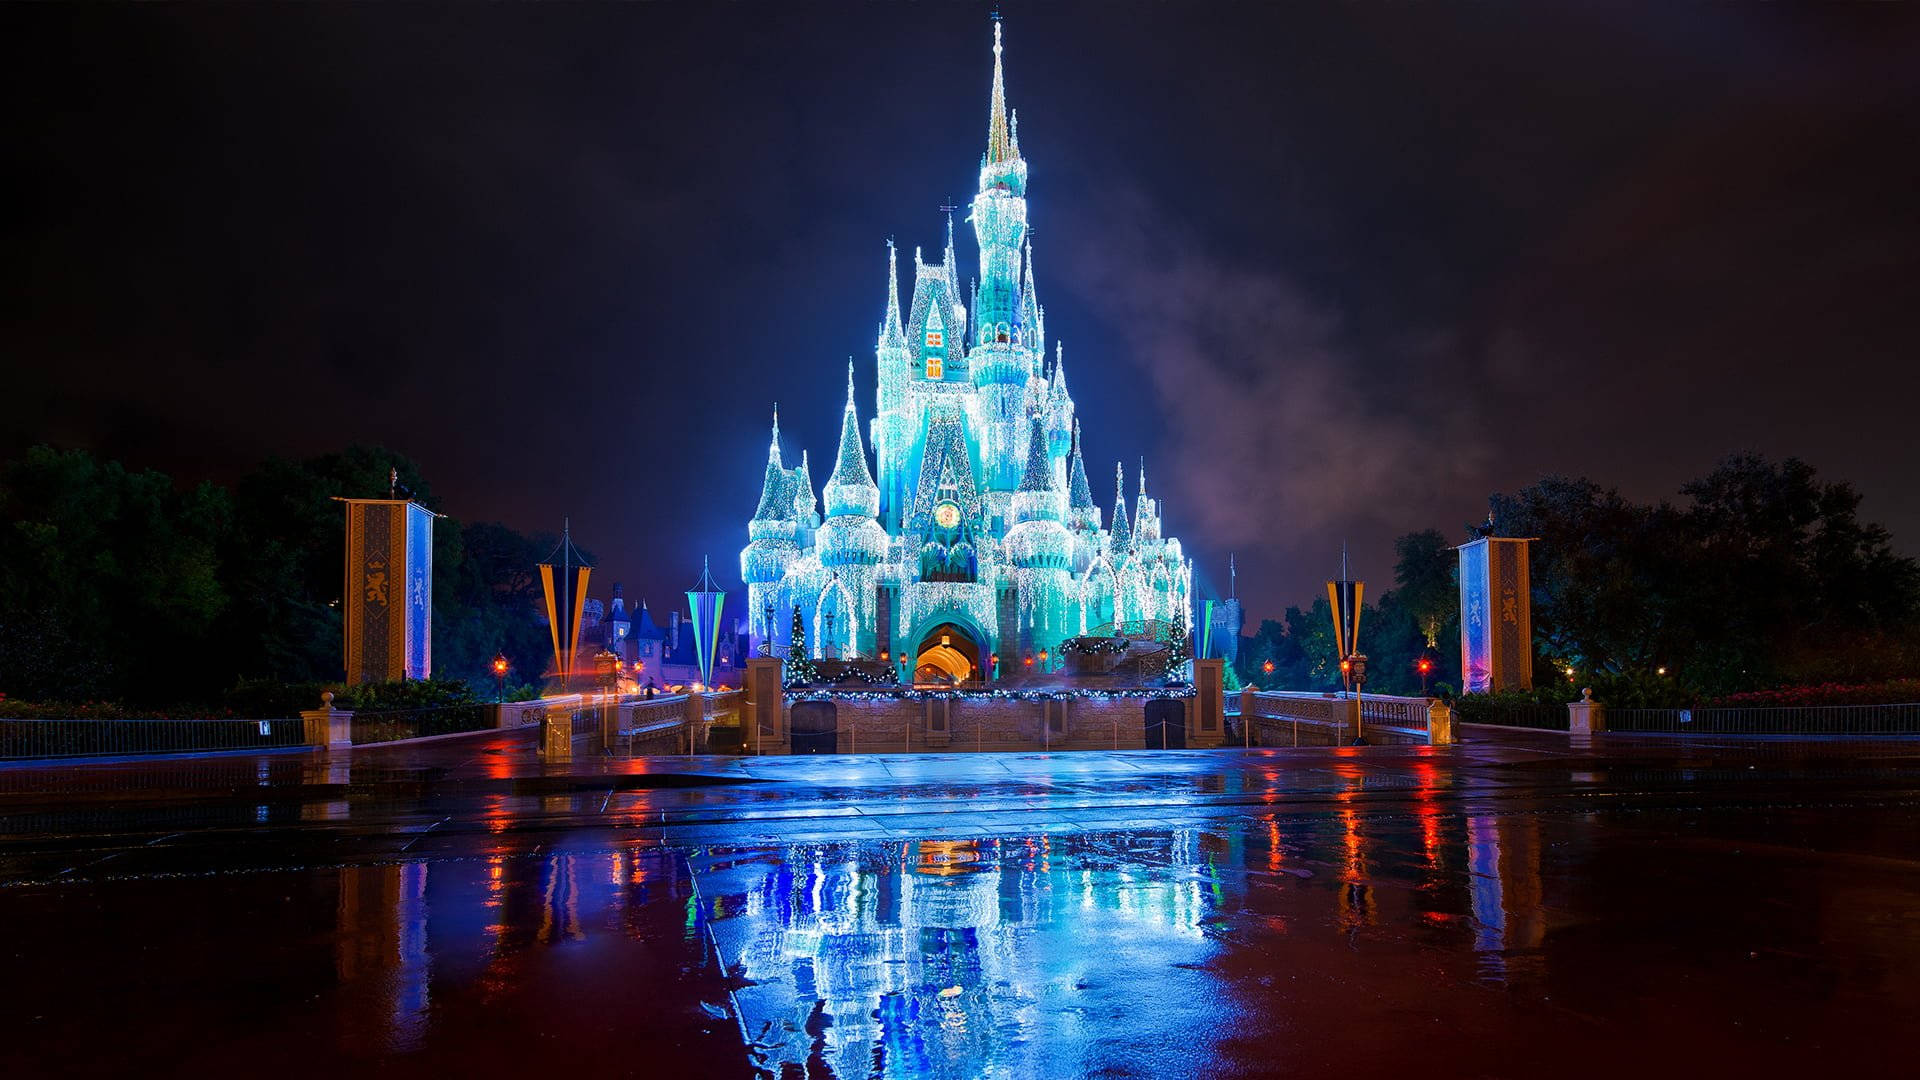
[{"x": 1337, "y": 271}]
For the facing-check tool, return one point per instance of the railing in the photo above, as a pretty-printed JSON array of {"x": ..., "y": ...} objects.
[
  {"x": 1788, "y": 720},
  {"x": 654, "y": 714},
  {"x": 1279, "y": 717},
  {"x": 1538, "y": 717},
  {"x": 728, "y": 703},
  {"x": 1329, "y": 721},
  {"x": 88, "y": 738},
  {"x": 391, "y": 725}
]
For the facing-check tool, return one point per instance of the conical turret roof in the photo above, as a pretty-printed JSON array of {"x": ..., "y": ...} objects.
[
  {"x": 851, "y": 490},
  {"x": 1122, "y": 532},
  {"x": 1079, "y": 493},
  {"x": 1039, "y": 474},
  {"x": 892, "y": 336}
]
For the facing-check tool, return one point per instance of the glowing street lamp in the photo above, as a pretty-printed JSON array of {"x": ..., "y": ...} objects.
[
  {"x": 1424, "y": 666},
  {"x": 500, "y": 666}
]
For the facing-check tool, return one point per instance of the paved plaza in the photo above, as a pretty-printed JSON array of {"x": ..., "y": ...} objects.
[{"x": 1513, "y": 906}]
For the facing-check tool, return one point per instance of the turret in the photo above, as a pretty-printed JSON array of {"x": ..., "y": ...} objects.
[
  {"x": 1121, "y": 541},
  {"x": 999, "y": 215},
  {"x": 770, "y": 550},
  {"x": 850, "y": 491},
  {"x": 892, "y": 428},
  {"x": 1038, "y": 497}
]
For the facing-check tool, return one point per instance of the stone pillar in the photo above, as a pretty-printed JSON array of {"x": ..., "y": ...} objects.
[
  {"x": 764, "y": 716},
  {"x": 1586, "y": 716},
  {"x": 327, "y": 727},
  {"x": 695, "y": 715},
  {"x": 1439, "y": 723},
  {"x": 1209, "y": 703},
  {"x": 1349, "y": 711},
  {"x": 556, "y": 734}
]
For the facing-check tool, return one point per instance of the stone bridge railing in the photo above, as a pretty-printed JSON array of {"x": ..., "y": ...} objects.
[{"x": 1291, "y": 718}]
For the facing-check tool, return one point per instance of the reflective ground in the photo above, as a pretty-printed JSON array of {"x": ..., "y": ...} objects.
[{"x": 1503, "y": 909}]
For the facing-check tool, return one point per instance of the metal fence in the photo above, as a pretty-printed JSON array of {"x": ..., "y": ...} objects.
[
  {"x": 395, "y": 724},
  {"x": 1789, "y": 720},
  {"x": 93, "y": 737},
  {"x": 1538, "y": 717}
]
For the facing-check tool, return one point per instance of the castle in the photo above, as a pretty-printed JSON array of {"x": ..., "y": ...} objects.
[{"x": 980, "y": 542}]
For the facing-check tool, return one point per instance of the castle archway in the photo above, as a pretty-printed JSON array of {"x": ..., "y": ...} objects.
[{"x": 946, "y": 653}]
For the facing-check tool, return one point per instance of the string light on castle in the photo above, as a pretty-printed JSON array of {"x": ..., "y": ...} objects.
[{"x": 976, "y": 533}]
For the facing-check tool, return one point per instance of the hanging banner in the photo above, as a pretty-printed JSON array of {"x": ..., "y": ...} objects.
[
  {"x": 565, "y": 601},
  {"x": 1496, "y": 615},
  {"x": 388, "y": 602},
  {"x": 705, "y": 602}
]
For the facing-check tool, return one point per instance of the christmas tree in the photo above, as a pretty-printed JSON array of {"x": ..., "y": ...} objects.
[
  {"x": 800, "y": 669},
  {"x": 1178, "y": 651}
]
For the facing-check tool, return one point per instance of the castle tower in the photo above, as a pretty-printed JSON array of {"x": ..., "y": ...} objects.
[
  {"x": 850, "y": 543},
  {"x": 770, "y": 550},
  {"x": 1000, "y": 367}
]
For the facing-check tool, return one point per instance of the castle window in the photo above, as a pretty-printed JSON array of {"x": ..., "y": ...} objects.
[{"x": 935, "y": 367}]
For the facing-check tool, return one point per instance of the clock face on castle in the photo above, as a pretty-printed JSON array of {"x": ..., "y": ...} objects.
[{"x": 946, "y": 515}]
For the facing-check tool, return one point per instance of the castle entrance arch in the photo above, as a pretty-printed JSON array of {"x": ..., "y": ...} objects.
[{"x": 946, "y": 654}]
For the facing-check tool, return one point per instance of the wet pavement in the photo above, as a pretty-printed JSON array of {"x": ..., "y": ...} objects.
[{"x": 1514, "y": 906}]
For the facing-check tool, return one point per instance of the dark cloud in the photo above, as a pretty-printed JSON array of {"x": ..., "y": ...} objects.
[{"x": 1338, "y": 270}]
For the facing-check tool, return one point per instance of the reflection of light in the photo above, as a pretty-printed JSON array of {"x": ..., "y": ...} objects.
[
  {"x": 1489, "y": 917},
  {"x": 869, "y": 935}
]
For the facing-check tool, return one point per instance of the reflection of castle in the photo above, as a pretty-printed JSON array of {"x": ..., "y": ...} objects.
[
  {"x": 982, "y": 526},
  {"x": 929, "y": 955}
]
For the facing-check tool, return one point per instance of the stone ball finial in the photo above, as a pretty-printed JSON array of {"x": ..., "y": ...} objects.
[
  {"x": 326, "y": 699},
  {"x": 1586, "y": 695}
]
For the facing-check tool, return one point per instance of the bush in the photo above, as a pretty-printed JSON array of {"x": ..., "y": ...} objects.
[
  {"x": 1891, "y": 692},
  {"x": 266, "y": 699},
  {"x": 406, "y": 694}
]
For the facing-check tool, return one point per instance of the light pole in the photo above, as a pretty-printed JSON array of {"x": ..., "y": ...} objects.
[
  {"x": 500, "y": 678},
  {"x": 1356, "y": 666}
]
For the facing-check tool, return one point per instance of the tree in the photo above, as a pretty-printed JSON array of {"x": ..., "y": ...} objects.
[{"x": 799, "y": 667}]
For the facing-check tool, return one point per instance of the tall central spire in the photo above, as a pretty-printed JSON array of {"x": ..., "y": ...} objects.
[{"x": 999, "y": 139}]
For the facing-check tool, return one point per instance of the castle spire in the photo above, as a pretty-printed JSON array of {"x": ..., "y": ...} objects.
[
  {"x": 891, "y": 334},
  {"x": 1122, "y": 532},
  {"x": 1039, "y": 474},
  {"x": 851, "y": 490},
  {"x": 999, "y": 136},
  {"x": 1079, "y": 495},
  {"x": 773, "y": 449},
  {"x": 1059, "y": 388}
]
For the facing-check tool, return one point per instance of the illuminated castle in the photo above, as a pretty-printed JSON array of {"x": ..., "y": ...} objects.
[{"x": 981, "y": 536}]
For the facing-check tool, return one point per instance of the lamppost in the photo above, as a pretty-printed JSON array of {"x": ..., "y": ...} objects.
[
  {"x": 832, "y": 646},
  {"x": 1356, "y": 666},
  {"x": 500, "y": 678},
  {"x": 1344, "y": 596},
  {"x": 766, "y": 629},
  {"x": 1266, "y": 668},
  {"x": 1424, "y": 666}
]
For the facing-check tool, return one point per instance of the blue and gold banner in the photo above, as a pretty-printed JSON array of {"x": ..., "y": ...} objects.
[
  {"x": 1496, "y": 615},
  {"x": 389, "y": 590}
]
